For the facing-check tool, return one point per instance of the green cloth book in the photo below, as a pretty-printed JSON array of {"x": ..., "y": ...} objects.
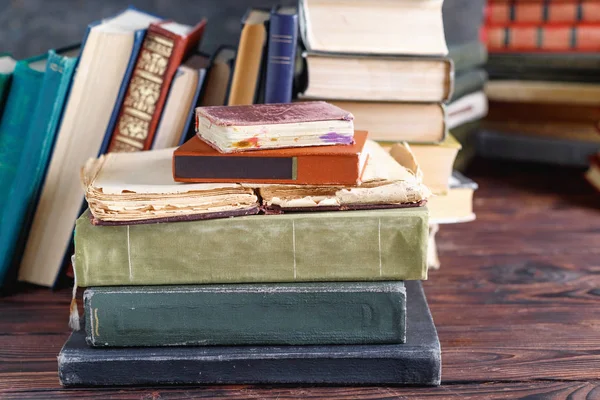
[
  {"x": 32, "y": 161},
  {"x": 371, "y": 245},
  {"x": 246, "y": 314}
]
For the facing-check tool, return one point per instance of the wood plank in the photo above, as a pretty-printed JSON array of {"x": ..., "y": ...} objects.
[{"x": 491, "y": 391}]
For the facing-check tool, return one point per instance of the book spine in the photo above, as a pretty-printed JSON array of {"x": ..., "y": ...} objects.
[
  {"x": 326, "y": 169},
  {"x": 16, "y": 119},
  {"x": 260, "y": 314},
  {"x": 18, "y": 213},
  {"x": 544, "y": 11},
  {"x": 283, "y": 37},
  {"x": 549, "y": 38},
  {"x": 246, "y": 73},
  {"x": 325, "y": 246},
  {"x": 161, "y": 54}
]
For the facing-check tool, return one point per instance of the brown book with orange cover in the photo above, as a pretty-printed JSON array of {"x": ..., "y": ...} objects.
[
  {"x": 165, "y": 47},
  {"x": 196, "y": 161}
]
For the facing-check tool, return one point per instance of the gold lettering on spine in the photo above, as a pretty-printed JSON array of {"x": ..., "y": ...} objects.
[{"x": 143, "y": 93}]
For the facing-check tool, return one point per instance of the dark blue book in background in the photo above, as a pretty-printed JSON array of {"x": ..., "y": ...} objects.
[{"x": 281, "y": 53}]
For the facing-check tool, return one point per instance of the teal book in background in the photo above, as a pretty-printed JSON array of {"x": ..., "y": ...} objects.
[
  {"x": 36, "y": 142},
  {"x": 20, "y": 106},
  {"x": 7, "y": 66}
]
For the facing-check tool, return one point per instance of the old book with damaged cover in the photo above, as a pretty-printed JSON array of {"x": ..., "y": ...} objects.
[
  {"x": 246, "y": 314},
  {"x": 274, "y": 126},
  {"x": 139, "y": 188},
  {"x": 416, "y": 362},
  {"x": 196, "y": 161},
  {"x": 366, "y": 245}
]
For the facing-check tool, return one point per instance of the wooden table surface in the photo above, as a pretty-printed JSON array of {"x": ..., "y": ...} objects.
[{"x": 516, "y": 304}]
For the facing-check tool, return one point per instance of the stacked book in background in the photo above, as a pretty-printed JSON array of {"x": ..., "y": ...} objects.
[
  {"x": 387, "y": 63},
  {"x": 544, "y": 88},
  {"x": 214, "y": 294},
  {"x": 463, "y": 21}
]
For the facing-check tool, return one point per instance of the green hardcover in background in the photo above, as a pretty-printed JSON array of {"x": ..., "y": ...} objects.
[
  {"x": 467, "y": 56},
  {"x": 468, "y": 82},
  {"x": 372, "y": 245},
  {"x": 246, "y": 314},
  {"x": 38, "y": 141}
]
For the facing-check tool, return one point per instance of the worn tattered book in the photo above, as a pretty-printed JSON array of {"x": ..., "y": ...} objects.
[
  {"x": 416, "y": 362},
  {"x": 126, "y": 188},
  {"x": 273, "y": 126},
  {"x": 246, "y": 314}
]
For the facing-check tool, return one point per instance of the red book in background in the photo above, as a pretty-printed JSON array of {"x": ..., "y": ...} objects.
[
  {"x": 543, "y": 11},
  {"x": 543, "y": 38},
  {"x": 165, "y": 47}
]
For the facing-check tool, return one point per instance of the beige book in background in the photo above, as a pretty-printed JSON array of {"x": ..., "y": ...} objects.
[
  {"x": 435, "y": 160},
  {"x": 127, "y": 187},
  {"x": 102, "y": 66}
]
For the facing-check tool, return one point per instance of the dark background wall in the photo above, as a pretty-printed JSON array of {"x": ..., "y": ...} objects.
[{"x": 31, "y": 27}]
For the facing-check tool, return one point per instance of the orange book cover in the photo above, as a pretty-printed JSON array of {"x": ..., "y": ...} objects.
[
  {"x": 165, "y": 47},
  {"x": 196, "y": 161},
  {"x": 543, "y": 38},
  {"x": 543, "y": 11}
]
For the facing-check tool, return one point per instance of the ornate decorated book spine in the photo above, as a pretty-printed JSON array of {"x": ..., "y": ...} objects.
[
  {"x": 161, "y": 54},
  {"x": 246, "y": 314}
]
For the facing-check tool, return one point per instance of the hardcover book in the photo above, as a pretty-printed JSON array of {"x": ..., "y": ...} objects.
[
  {"x": 336, "y": 76},
  {"x": 87, "y": 116},
  {"x": 416, "y": 362},
  {"x": 166, "y": 44},
  {"x": 561, "y": 67},
  {"x": 178, "y": 115},
  {"x": 274, "y": 126},
  {"x": 39, "y": 139},
  {"x": 196, "y": 161},
  {"x": 373, "y": 26},
  {"x": 246, "y": 314},
  {"x": 370, "y": 245},
  {"x": 388, "y": 121},
  {"x": 544, "y": 38},
  {"x": 435, "y": 160},
  {"x": 575, "y": 93},
  {"x": 249, "y": 63},
  {"x": 139, "y": 187},
  {"x": 456, "y": 206},
  {"x": 281, "y": 54},
  {"x": 543, "y": 11},
  {"x": 523, "y": 147},
  {"x": 20, "y": 105},
  {"x": 468, "y": 108}
]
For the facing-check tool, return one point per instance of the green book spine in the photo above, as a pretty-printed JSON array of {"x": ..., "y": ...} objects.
[
  {"x": 468, "y": 82},
  {"x": 246, "y": 314},
  {"x": 18, "y": 114},
  {"x": 373, "y": 245}
]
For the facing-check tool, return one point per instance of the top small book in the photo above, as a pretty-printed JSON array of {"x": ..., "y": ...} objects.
[{"x": 274, "y": 126}]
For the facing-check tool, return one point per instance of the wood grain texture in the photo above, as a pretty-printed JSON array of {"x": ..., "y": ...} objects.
[{"x": 516, "y": 304}]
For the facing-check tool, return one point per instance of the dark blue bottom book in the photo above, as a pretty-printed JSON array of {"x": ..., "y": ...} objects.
[{"x": 416, "y": 362}]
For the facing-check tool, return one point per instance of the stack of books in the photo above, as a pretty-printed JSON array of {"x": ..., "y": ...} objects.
[
  {"x": 544, "y": 87},
  {"x": 463, "y": 23},
  {"x": 233, "y": 258},
  {"x": 132, "y": 85}
]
